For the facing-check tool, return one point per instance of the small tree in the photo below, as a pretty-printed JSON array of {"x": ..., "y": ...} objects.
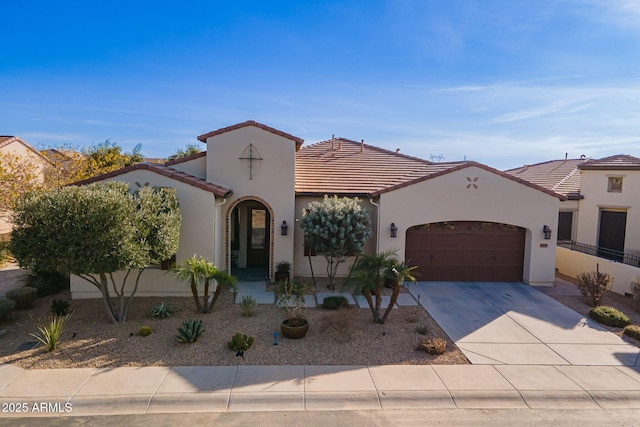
[
  {"x": 96, "y": 230},
  {"x": 197, "y": 271},
  {"x": 18, "y": 175},
  {"x": 189, "y": 150},
  {"x": 337, "y": 229}
]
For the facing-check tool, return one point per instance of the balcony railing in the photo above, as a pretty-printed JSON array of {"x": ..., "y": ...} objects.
[{"x": 618, "y": 256}]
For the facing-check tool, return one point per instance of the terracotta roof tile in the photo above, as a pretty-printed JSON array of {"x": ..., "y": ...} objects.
[
  {"x": 352, "y": 167},
  {"x": 217, "y": 190},
  {"x": 560, "y": 176},
  {"x": 295, "y": 139},
  {"x": 617, "y": 162}
]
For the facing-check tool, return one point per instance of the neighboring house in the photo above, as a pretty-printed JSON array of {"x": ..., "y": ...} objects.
[
  {"x": 241, "y": 198},
  {"x": 601, "y": 216},
  {"x": 12, "y": 147}
]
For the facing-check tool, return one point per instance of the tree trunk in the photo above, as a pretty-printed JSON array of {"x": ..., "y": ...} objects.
[
  {"x": 194, "y": 292},
  {"x": 367, "y": 295},
  {"x": 104, "y": 288},
  {"x": 394, "y": 297},
  {"x": 313, "y": 277},
  {"x": 205, "y": 298},
  {"x": 378, "y": 302},
  {"x": 216, "y": 294}
]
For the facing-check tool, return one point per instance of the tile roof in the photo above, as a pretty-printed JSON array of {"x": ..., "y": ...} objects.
[
  {"x": 617, "y": 162},
  {"x": 186, "y": 158},
  {"x": 298, "y": 141},
  {"x": 6, "y": 140},
  {"x": 560, "y": 176},
  {"x": 352, "y": 167},
  {"x": 217, "y": 190}
]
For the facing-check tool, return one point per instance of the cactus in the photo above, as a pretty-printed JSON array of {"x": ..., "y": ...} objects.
[
  {"x": 240, "y": 343},
  {"x": 144, "y": 331}
]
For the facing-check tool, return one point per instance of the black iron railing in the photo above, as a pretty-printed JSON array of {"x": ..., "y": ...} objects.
[{"x": 611, "y": 254}]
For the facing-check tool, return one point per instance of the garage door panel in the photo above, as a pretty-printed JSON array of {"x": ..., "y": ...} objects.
[{"x": 466, "y": 251}]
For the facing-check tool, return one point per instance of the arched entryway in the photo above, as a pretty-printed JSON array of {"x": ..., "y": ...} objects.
[
  {"x": 467, "y": 251},
  {"x": 250, "y": 237}
]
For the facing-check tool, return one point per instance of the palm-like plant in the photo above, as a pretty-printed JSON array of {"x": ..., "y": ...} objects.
[
  {"x": 399, "y": 271},
  {"x": 198, "y": 270},
  {"x": 370, "y": 273}
]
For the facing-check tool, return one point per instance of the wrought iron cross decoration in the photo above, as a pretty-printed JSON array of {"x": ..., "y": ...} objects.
[{"x": 251, "y": 155}]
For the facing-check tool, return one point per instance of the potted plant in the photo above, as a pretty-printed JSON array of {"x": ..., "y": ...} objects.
[
  {"x": 282, "y": 271},
  {"x": 290, "y": 296}
]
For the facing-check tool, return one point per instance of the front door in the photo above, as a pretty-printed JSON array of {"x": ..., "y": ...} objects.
[
  {"x": 611, "y": 237},
  {"x": 258, "y": 237}
]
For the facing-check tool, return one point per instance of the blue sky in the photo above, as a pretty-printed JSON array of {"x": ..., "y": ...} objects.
[{"x": 505, "y": 83}]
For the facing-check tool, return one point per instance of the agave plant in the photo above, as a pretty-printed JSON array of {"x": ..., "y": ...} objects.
[
  {"x": 189, "y": 331},
  {"x": 162, "y": 310}
]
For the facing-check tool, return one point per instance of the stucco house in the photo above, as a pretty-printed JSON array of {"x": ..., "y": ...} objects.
[
  {"x": 240, "y": 199},
  {"x": 599, "y": 222},
  {"x": 16, "y": 148}
]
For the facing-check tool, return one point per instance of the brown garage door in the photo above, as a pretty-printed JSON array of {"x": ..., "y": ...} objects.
[{"x": 467, "y": 251}]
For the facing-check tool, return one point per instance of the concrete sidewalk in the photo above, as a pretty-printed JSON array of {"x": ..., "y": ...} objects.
[{"x": 194, "y": 389}]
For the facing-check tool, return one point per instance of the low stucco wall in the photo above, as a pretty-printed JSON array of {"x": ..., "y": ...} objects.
[
  {"x": 572, "y": 263},
  {"x": 153, "y": 282}
]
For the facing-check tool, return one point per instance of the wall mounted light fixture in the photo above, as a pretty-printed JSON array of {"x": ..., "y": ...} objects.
[
  {"x": 547, "y": 232},
  {"x": 394, "y": 230},
  {"x": 283, "y": 228}
]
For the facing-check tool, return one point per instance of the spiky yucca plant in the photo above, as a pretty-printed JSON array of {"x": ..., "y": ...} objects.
[
  {"x": 189, "y": 331},
  {"x": 50, "y": 332}
]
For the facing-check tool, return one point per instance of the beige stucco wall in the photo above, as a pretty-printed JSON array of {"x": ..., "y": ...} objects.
[
  {"x": 301, "y": 266},
  {"x": 596, "y": 197},
  {"x": 196, "y": 237},
  {"x": 572, "y": 263},
  {"x": 452, "y": 197},
  {"x": 196, "y": 167},
  {"x": 272, "y": 182}
]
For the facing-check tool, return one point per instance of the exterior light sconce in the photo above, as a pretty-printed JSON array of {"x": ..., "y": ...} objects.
[
  {"x": 283, "y": 228},
  {"x": 394, "y": 230},
  {"x": 547, "y": 232}
]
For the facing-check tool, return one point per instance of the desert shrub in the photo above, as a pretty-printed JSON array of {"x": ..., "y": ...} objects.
[
  {"x": 240, "y": 343},
  {"x": 609, "y": 316},
  {"x": 632, "y": 331},
  {"x": 5, "y": 254},
  {"x": 339, "y": 323},
  {"x": 162, "y": 310},
  {"x": 248, "y": 306},
  {"x": 334, "y": 302},
  {"x": 47, "y": 283},
  {"x": 422, "y": 330},
  {"x": 190, "y": 331},
  {"x": 144, "y": 331},
  {"x": 433, "y": 345},
  {"x": 50, "y": 332},
  {"x": 59, "y": 307},
  {"x": 24, "y": 297},
  {"x": 6, "y": 308},
  {"x": 594, "y": 285}
]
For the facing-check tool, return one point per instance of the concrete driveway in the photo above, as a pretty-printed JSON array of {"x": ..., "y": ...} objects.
[{"x": 515, "y": 324}]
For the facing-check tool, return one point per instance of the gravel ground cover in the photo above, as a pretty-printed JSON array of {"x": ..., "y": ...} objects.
[{"x": 90, "y": 340}]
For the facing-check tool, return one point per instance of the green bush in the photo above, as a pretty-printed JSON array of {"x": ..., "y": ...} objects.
[
  {"x": 25, "y": 297},
  {"x": 47, "y": 283},
  {"x": 59, "y": 307},
  {"x": 609, "y": 316},
  {"x": 6, "y": 308},
  {"x": 335, "y": 302},
  {"x": 248, "y": 306},
  {"x": 144, "y": 331},
  {"x": 189, "y": 331},
  {"x": 162, "y": 310},
  {"x": 632, "y": 331}
]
